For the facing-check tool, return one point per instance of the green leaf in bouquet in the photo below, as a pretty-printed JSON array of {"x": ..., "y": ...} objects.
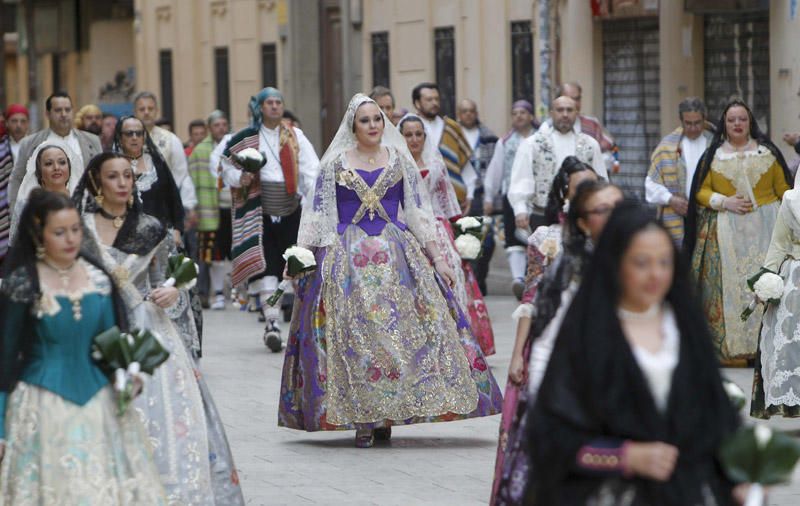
[
  {"x": 182, "y": 269},
  {"x": 782, "y": 454},
  {"x": 148, "y": 351},
  {"x": 112, "y": 350},
  {"x": 751, "y": 282},
  {"x": 295, "y": 267},
  {"x": 744, "y": 460}
]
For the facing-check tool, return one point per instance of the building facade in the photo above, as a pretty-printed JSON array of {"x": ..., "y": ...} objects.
[{"x": 636, "y": 59}]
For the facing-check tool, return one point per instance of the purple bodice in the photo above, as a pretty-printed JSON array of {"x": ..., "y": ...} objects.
[{"x": 348, "y": 204}]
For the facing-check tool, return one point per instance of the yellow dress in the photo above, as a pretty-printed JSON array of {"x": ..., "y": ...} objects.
[{"x": 731, "y": 247}]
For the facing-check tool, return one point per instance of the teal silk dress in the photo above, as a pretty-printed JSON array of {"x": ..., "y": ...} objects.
[{"x": 65, "y": 442}]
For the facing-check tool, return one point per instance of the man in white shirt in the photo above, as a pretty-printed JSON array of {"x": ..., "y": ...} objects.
[
  {"x": 482, "y": 141},
  {"x": 82, "y": 145},
  {"x": 446, "y": 135},
  {"x": 673, "y": 163},
  {"x": 17, "y": 124},
  {"x": 497, "y": 181},
  {"x": 289, "y": 175},
  {"x": 145, "y": 108}
]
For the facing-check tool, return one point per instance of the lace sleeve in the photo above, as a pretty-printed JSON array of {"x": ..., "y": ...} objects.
[
  {"x": 320, "y": 216},
  {"x": 417, "y": 202}
]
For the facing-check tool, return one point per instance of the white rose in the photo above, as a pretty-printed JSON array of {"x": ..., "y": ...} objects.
[
  {"x": 468, "y": 246},
  {"x": 305, "y": 256},
  {"x": 250, "y": 154},
  {"x": 769, "y": 286},
  {"x": 763, "y": 434},
  {"x": 735, "y": 394},
  {"x": 468, "y": 222}
]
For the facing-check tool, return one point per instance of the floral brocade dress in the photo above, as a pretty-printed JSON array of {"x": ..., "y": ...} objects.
[
  {"x": 66, "y": 445},
  {"x": 511, "y": 462},
  {"x": 190, "y": 447},
  {"x": 376, "y": 338},
  {"x": 444, "y": 204},
  {"x": 721, "y": 261}
]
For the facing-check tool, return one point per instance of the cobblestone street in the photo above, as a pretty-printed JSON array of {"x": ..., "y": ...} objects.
[{"x": 431, "y": 464}]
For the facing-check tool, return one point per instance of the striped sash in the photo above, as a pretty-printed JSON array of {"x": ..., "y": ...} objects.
[
  {"x": 6, "y": 166},
  {"x": 456, "y": 151}
]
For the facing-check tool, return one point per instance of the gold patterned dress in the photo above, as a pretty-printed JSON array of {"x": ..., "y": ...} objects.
[
  {"x": 376, "y": 338},
  {"x": 731, "y": 247}
]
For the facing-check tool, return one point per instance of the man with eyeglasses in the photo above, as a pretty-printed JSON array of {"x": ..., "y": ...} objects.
[
  {"x": 537, "y": 161},
  {"x": 82, "y": 145},
  {"x": 673, "y": 164}
]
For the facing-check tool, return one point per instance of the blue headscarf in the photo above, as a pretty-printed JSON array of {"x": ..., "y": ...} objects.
[{"x": 258, "y": 99}]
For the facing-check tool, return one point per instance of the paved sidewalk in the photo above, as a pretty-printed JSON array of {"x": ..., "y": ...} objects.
[{"x": 428, "y": 464}]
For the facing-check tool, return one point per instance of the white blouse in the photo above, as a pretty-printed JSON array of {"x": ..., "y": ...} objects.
[{"x": 658, "y": 367}]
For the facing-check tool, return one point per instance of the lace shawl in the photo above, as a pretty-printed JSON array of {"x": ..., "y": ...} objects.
[{"x": 319, "y": 220}]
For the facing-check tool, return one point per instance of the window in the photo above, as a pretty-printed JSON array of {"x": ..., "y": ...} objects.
[
  {"x": 521, "y": 61},
  {"x": 56, "y": 68},
  {"x": 222, "y": 79},
  {"x": 445, "y": 49},
  {"x": 269, "y": 65},
  {"x": 165, "y": 72},
  {"x": 380, "y": 59}
]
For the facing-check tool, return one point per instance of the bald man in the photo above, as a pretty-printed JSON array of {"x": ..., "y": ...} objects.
[{"x": 536, "y": 163}]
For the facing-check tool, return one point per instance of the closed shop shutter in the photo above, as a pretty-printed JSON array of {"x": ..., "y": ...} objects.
[
  {"x": 631, "y": 110},
  {"x": 736, "y": 59}
]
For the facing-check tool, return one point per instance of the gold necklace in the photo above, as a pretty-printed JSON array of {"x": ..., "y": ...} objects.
[
  {"x": 370, "y": 159},
  {"x": 64, "y": 275},
  {"x": 117, "y": 221}
]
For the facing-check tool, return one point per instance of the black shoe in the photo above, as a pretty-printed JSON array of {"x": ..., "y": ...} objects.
[
  {"x": 204, "y": 302},
  {"x": 287, "y": 306},
  {"x": 383, "y": 434},
  {"x": 272, "y": 337},
  {"x": 518, "y": 288}
]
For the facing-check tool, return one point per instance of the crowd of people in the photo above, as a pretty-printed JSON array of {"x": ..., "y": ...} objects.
[{"x": 626, "y": 307}]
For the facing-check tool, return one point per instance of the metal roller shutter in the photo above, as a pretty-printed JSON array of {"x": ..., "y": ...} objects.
[
  {"x": 631, "y": 96},
  {"x": 736, "y": 58}
]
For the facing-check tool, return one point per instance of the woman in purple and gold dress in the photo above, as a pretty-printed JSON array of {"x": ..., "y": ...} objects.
[{"x": 372, "y": 342}]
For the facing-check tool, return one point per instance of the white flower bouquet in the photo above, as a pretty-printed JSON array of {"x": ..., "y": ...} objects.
[
  {"x": 767, "y": 287},
  {"x": 469, "y": 237},
  {"x": 759, "y": 456},
  {"x": 468, "y": 246},
  {"x": 468, "y": 223},
  {"x": 298, "y": 261},
  {"x": 250, "y": 160}
]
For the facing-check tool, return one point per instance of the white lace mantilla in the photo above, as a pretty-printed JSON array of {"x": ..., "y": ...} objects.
[{"x": 743, "y": 169}]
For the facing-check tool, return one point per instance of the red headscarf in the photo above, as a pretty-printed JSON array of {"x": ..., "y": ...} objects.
[{"x": 17, "y": 109}]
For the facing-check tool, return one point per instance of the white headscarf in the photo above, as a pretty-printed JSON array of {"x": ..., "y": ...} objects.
[
  {"x": 29, "y": 181},
  {"x": 320, "y": 218},
  {"x": 444, "y": 201}
]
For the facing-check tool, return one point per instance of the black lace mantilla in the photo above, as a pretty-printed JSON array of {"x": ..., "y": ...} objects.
[
  {"x": 19, "y": 286},
  {"x": 140, "y": 234}
]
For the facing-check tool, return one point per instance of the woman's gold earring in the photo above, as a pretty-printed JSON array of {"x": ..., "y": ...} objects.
[
  {"x": 40, "y": 252},
  {"x": 130, "y": 200},
  {"x": 99, "y": 198}
]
